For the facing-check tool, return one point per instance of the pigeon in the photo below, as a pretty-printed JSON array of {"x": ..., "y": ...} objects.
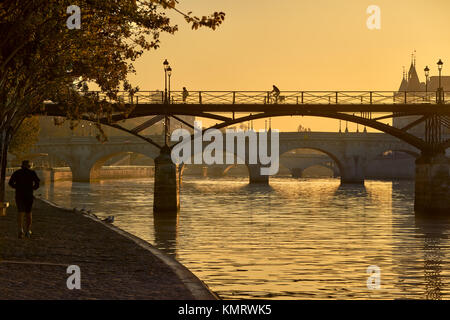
[{"x": 109, "y": 219}]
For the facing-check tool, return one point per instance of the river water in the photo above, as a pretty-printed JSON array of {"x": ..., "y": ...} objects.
[{"x": 294, "y": 239}]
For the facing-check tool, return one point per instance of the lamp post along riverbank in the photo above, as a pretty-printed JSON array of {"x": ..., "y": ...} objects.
[{"x": 167, "y": 183}]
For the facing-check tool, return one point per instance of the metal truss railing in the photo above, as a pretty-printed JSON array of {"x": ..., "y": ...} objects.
[{"x": 285, "y": 97}]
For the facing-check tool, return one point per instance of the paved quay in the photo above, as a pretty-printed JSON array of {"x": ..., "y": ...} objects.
[{"x": 113, "y": 264}]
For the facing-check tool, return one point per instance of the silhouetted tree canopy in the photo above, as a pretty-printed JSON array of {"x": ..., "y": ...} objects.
[
  {"x": 42, "y": 59},
  {"x": 25, "y": 137},
  {"x": 301, "y": 128}
]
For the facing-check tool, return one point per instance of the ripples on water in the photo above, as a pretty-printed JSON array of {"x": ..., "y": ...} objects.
[{"x": 294, "y": 239}]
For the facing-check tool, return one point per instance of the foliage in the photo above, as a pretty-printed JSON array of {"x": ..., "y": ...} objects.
[
  {"x": 25, "y": 138},
  {"x": 301, "y": 128},
  {"x": 42, "y": 59}
]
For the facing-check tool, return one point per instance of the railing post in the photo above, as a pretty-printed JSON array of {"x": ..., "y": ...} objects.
[
  {"x": 371, "y": 97},
  {"x": 406, "y": 97},
  {"x": 200, "y": 97},
  {"x": 297, "y": 99},
  {"x": 234, "y": 97},
  {"x": 336, "y": 97},
  {"x": 302, "y": 97},
  {"x": 268, "y": 97}
]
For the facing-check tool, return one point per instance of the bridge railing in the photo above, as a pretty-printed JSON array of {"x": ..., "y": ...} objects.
[{"x": 285, "y": 97}]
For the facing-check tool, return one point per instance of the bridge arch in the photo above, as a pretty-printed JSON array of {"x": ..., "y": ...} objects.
[
  {"x": 216, "y": 170},
  {"x": 98, "y": 162},
  {"x": 411, "y": 153},
  {"x": 393, "y": 131},
  {"x": 330, "y": 168},
  {"x": 333, "y": 154},
  {"x": 85, "y": 155}
]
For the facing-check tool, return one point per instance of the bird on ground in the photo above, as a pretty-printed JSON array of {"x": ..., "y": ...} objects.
[{"x": 109, "y": 219}]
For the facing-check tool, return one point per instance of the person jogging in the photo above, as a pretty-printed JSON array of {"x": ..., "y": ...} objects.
[{"x": 24, "y": 181}]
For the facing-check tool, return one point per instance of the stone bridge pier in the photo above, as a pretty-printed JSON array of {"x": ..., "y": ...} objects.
[
  {"x": 432, "y": 185},
  {"x": 352, "y": 169},
  {"x": 167, "y": 183},
  {"x": 84, "y": 165},
  {"x": 255, "y": 176}
]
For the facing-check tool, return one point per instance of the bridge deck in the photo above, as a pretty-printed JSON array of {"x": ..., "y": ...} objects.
[
  {"x": 287, "y": 101},
  {"x": 143, "y": 109}
]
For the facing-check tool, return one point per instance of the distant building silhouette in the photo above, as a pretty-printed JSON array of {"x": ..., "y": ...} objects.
[{"x": 411, "y": 83}]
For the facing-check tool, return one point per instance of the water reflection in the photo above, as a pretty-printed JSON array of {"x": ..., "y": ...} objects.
[
  {"x": 257, "y": 189},
  {"x": 351, "y": 190},
  {"x": 434, "y": 231},
  {"x": 310, "y": 239},
  {"x": 166, "y": 231}
]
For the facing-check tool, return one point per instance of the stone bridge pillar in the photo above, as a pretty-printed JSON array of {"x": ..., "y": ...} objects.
[
  {"x": 83, "y": 171},
  {"x": 296, "y": 172},
  {"x": 352, "y": 169},
  {"x": 81, "y": 174},
  {"x": 167, "y": 183},
  {"x": 255, "y": 177},
  {"x": 432, "y": 191}
]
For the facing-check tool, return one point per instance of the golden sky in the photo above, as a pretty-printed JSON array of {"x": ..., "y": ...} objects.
[{"x": 300, "y": 45}]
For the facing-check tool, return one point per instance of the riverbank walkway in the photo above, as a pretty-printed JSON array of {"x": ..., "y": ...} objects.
[{"x": 112, "y": 266}]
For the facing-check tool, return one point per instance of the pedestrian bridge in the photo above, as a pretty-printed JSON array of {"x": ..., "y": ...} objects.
[{"x": 367, "y": 108}]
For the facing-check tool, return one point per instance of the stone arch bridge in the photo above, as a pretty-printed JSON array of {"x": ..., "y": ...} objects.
[{"x": 351, "y": 152}]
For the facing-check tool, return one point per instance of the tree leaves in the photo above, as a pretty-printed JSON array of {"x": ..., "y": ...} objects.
[
  {"x": 25, "y": 138},
  {"x": 42, "y": 60}
]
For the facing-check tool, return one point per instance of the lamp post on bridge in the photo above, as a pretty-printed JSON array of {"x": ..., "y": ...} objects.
[
  {"x": 167, "y": 183},
  {"x": 167, "y": 73},
  {"x": 166, "y": 68},
  {"x": 440, "y": 91},
  {"x": 427, "y": 74}
]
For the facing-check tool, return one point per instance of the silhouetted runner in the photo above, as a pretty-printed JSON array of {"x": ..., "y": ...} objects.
[
  {"x": 276, "y": 93},
  {"x": 185, "y": 94},
  {"x": 24, "y": 181}
]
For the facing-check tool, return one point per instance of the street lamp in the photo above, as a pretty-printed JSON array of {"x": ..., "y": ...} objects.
[
  {"x": 169, "y": 73},
  {"x": 166, "y": 67},
  {"x": 440, "y": 64},
  {"x": 427, "y": 74}
]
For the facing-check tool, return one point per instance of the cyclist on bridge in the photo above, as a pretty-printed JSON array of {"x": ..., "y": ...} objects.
[{"x": 276, "y": 93}]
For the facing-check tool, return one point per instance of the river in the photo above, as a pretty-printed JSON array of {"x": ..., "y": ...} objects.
[{"x": 294, "y": 239}]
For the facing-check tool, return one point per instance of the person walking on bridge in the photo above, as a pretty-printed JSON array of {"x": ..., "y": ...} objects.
[
  {"x": 185, "y": 94},
  {"x": 24, "y": 181}
]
